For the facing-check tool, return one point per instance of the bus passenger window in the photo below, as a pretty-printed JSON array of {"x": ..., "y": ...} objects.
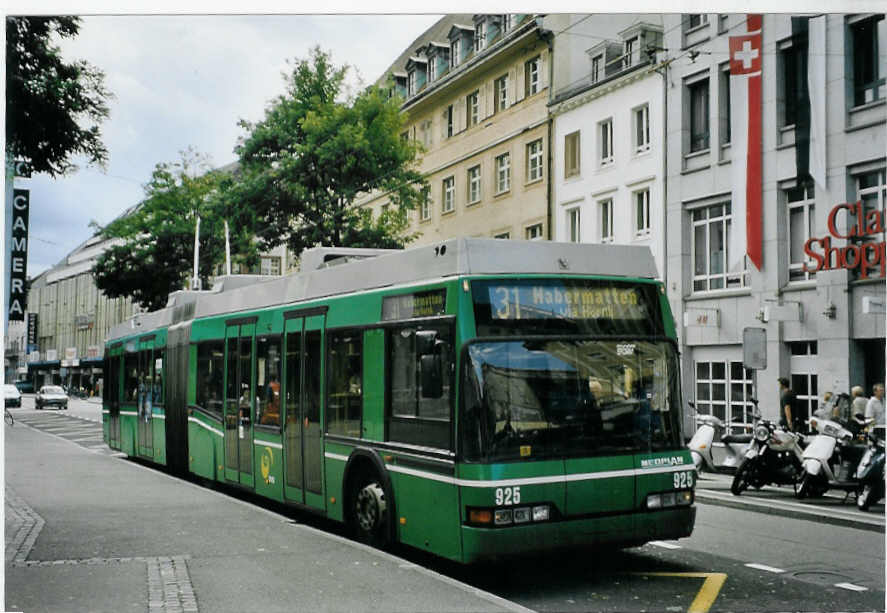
[
  {"x": 345, "y": 402},
  {"x": 268, "y": 380},
  {"x": 130, "y": 376},
  {"x": 210, "y": 364}
]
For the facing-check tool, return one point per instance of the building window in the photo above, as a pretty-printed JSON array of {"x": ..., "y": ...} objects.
[
  {"x": 432, "y": 62},
  {"x": 871, "y": 190},
  {"x": 722, "y": 22},
  {"x": 474, "y": 184},
  {"x": 597, "y": 64},
  {"x": 534, "y": 161},
  {"x": 534, "y": 232},
  {"x": 503, "y": 173},
  {"x": 503, "y": 235},
  {"x": 472, "y": 109},
  {"x": 804, "y": 380},
  {"x": 724, "y": 102},
  {"x": 270, "y": 265},
  {"x": 605, "y": 142},
  {"x": 573, "y": 219},
  {"x": 642, "y": 212},
  {"x": 695, "y": 20},
  {"x": 711, "y": 231},
  {"x": 631, "y": 48},
  {"x": 868, "y": 83},
  {"x": 500, "y": 89},
  {"x": 793, "y": 60},
  {"x": 411, "y": 83},
  {"x": 698, "y": 92},
  {"x": 448, "y": 117},
  {"x": 571, "y": 154},
  {"x": 531, "y": 75},
  {"x": 425, "y": 207},
  {"x": 449, "y": 195},
  {"x": 480, "y": 35},
  {"x": 801, "y": 222},
  {"x": 606, "y": 209},
  {"x": 455, "y": 52},
  {"x": 725, "y": 390},
  {"x": 642, "y": 129}
]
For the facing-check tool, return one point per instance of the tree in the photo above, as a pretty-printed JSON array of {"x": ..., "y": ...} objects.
[
  {"x": 154, "y": 254},
  {"x": 47, "y": 100},
  {"x": 304, "y": 165}
]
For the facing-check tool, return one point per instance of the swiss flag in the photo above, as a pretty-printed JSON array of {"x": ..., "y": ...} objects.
[{"x": 745, "y": 135}]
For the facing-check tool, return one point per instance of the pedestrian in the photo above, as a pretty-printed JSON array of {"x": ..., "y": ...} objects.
[
  {"x": 789, "y": 416},
  {"x": 875, "y": 406},
  {"x": 858, "y": 405}
]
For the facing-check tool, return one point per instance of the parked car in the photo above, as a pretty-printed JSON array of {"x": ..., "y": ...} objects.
[
  {"x": 51, "y": 396},
  {"x": 12, "y": 396}
]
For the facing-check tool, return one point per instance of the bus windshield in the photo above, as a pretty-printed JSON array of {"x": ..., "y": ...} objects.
[{"x": 568, "y": 397}]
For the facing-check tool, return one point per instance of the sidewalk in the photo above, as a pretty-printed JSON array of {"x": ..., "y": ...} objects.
[
  {"x": 86, "y": 531},
  {"x": 830, "y": 509}
]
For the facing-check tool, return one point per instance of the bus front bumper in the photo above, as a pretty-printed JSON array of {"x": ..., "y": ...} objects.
[{"x": 626, "y": 530}]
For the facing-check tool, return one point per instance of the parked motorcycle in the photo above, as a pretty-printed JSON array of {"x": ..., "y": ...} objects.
[
  {"x": 831, "y": 457},
  {"x": 773, "y": 456},
  {"x": 870, "y": 472},
  {"x": 701, "y": 444}
]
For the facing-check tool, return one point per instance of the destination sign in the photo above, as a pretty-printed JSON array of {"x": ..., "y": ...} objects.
[
  {"x": 544, "y": 301},
  {"x": 420, "y": 304}
]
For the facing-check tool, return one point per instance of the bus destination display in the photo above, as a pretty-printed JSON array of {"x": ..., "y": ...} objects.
[
  {"x": 419, "y": 304},
  {"x": 528, "y": 301}
]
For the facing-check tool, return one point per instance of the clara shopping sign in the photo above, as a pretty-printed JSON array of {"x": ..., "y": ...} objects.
[
  {"x": 863, "y": 251},
  {"x": 18, "y": 255}
]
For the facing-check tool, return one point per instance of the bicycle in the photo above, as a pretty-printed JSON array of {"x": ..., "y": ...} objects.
[{"x": 8, "y": 418}]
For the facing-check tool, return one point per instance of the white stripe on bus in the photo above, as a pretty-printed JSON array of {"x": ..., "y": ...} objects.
[
  {"x": 133, "y": 413},
  {"x": 611, "y": 474},
  {"x": 267, "y": 444},
  {"x": 205, "y": 426}
]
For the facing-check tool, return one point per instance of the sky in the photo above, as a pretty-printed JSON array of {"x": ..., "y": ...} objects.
[{"x": 186, "y": 80}]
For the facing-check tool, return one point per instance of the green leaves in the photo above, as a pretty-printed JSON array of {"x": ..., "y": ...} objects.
[
  {"x": 316, "y": 152},
  {"x": 53, "y": 109},
  {"x": 156, "y": 251}
]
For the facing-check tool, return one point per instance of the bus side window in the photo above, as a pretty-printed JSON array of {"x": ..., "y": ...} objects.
[
  {"x": 210, "y": 363},
  {"x": 268, "y": 380},
  {"x": 345, "y": 393}
]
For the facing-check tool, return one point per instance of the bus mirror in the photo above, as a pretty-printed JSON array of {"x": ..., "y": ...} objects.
[
  {"x": 425, "y": 341},
  {"x": 432, "y": 379}
]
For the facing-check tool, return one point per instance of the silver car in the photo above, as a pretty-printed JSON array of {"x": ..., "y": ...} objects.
[{"x": 51, "y": 396}]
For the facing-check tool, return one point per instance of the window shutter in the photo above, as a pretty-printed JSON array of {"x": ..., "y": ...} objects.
[
  {"x": 459, "y": 123},
  {"x": 543, "y": 73},
  {"x": 443, "y": 126},
  {"x": 519, "y": 83},
  {"x": 512, "y": 86},
  {"x": 484, "y": 102}
]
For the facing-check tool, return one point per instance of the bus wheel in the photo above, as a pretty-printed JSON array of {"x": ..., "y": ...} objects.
[{"x": 369, "y": 511}]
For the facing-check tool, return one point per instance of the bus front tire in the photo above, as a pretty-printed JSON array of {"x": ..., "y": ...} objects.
[{"x": 368, "y": 513}]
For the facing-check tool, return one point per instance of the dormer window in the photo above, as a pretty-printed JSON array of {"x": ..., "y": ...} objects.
[
  {"x": 411, "y": 83},
  {"x": 431, "y": 70},
  {"x": 631, "y": 49},
  {"x": 597, "y": 68},
  {"x": 480, "y": 36},
  {"x": 455, "y": 52},
  {"x": 416, "y": 71}
]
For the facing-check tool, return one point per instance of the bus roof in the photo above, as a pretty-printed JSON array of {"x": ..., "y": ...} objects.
[{"x": 451, "y": 258}]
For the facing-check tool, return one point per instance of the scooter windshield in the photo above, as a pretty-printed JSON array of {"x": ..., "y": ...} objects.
[{"x": 564, "y": 397}]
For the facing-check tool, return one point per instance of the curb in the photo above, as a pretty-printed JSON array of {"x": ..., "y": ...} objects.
[{"x": 791, "y": 510}]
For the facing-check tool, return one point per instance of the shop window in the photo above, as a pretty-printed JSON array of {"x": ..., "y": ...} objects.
[
  {"x": 804, "y": 380},
  {"x": 210, "y": 365},
  {"x": 420, "y": 379},
  {"x": 724, "y": 389},
  {"x": 345, "y": 398}
]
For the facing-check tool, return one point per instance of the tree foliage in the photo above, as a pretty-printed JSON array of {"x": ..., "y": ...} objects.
[
  {"x": 53, "y": 108},
  {"x": 316, "y": 151},
  {"x": 154, "y": 254}
]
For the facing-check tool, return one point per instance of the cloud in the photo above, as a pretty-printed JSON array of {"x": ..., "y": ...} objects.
[{"x": 187, "y": 80}]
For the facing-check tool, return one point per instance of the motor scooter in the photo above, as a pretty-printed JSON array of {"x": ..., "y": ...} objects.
[
  {"x": 870, "y": 472},
  {"x": 773, "y": 456},
  {"x": 701, "y": 444},
  {"x": 831, "y": 457}
]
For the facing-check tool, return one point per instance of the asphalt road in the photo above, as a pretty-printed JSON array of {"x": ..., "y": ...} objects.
[{"x": 736, "y": 560}]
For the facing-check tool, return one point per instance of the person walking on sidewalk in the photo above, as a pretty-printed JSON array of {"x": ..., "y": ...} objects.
[
  {"x": 859, "y": 402},
  {"x": 875, "y": 406},
  {"x": 788, "y": 415}
]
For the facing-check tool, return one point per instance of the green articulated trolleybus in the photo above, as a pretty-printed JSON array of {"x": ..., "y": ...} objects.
[{"x": 476, "y": 398}]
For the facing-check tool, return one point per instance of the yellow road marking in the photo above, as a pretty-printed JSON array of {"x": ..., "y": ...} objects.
[{"x": 711, "y": 587}]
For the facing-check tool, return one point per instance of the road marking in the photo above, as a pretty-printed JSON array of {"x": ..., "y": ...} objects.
[
  {"x": 665, "y": 545},
  {"x": 708, "y": 593},
  {"x": 851, "y": 586},
  {"x": 769, "y": 569}
]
